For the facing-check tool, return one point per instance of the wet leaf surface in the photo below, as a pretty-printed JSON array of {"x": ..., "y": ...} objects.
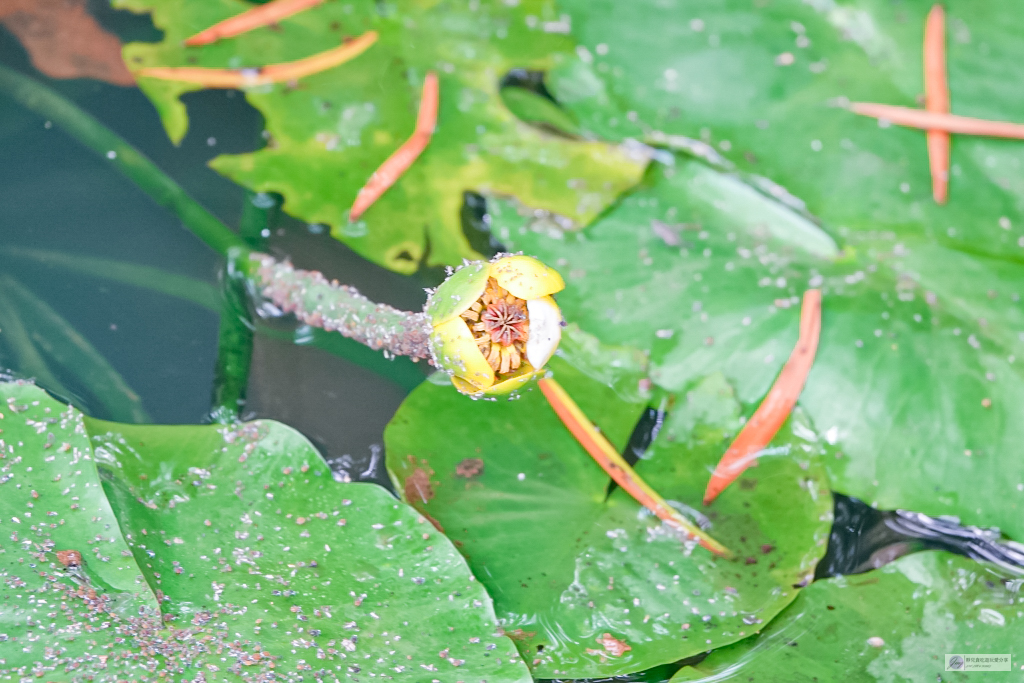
[
  {"x": 894, "y": 624},
  {"x": 230, "y": 552},
  {"x": 594, "y": 588},
  {"x": 329, "y": 132},
  {"x": 916, "y": 379},
  {"x": 764, "y": 84}
]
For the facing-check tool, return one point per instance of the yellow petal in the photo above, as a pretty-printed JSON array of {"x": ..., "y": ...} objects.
[
  {"x": 513, "y": 382},
  {"x": 526, "y": 277},
  {"x": 545, "y": 330},
  {"x": 458, "y": 292},
  {"x": 456, "y": 351}
]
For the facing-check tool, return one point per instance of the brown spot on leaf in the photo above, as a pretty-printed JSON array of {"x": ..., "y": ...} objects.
[
  {"x": 418, "y": 488},
  {"x": 612, "y": 645},
  {"x": 469, "y": 468},
  {"x": 69, "y": 558},
  {"x": 64, "y": 41},
  {"x": 518, "y": 634}
]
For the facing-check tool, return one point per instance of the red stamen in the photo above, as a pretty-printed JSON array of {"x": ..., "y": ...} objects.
[{"x": 504, "y": 322}]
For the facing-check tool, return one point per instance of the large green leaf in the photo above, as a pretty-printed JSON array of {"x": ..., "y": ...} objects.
[
  {"x": 894, "y": 624},
  {"x": 329, "y": 132},
  {"x": 215, "y": 549},
  {"x": 764, "y": 83},
  {"x": 916, "y": 380},
  {"x": 573, "y": 574}
]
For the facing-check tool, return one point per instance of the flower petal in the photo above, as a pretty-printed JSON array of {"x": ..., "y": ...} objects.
[
  {"x": 513, "y": 381},
  {"x": 456, "y": 352},
  {"x": 458, "y": 292},
  {"x": 526, "y": 277},
  {"x": 545, "y": 330}
]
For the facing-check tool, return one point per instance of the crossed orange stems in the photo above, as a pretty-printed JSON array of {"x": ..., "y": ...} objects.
[{"x": 935, "y": 117}]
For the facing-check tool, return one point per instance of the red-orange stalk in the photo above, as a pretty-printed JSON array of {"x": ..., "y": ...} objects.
[
  {"x": 264, "y": 75},
  {"x": 936, "y": 100},
  {"x": 395, "y": 165},
  {"x": 618, "y": 469},
  {"x": 261, "y": 15},
  {"x": 926, "y": 120},
  {"x": 776, "y": 406}
]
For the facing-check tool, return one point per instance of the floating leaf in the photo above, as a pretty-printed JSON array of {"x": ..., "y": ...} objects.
[
  {"x": 590, "y": 587},
  {"x": 141, "y": 551},
  {"x": 766, "y": 87},
  {"x": 329, "y": 132},
  {"x": 893, "y": 624},
  {"x": 917, "y": 379}
]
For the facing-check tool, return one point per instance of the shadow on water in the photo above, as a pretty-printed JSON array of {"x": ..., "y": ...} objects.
[{"x": 864, "y": 538}]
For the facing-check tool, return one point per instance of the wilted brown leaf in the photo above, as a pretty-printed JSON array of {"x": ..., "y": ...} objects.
[{"x": 64, "y": 41}]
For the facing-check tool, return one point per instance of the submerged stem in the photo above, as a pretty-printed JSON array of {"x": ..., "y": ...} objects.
[
  {"x": 87, "y": 130},
  {"x": 234, "y": 349}
]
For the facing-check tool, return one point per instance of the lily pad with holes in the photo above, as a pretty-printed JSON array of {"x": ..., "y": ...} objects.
[
  {"x": 591, "y": 585},
  {"x": 330, "y": 131},
  {"x": 766, "y": 86},
  {"x": 897, "y": 623},
  {"x": 137, "y": 552},
  {"x": 917, "y": 380}
]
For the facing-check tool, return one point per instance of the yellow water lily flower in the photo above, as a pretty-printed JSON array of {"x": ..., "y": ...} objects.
[{"x": 495, "y": 324}]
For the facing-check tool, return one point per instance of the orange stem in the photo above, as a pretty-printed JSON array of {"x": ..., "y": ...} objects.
[
  {"x": 617, "y": 468},
  {"x": 776, "y": 406},
  {"x": 936, "y": 100},
  {"x": 395, "y": 165},
  {"x": 272, "y": 73},
  {"x": 951, "y": 123},
  {"x": 258, "y": 16}
]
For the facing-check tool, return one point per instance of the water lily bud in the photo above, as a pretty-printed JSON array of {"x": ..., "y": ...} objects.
[{"x": 495, "y": 324}]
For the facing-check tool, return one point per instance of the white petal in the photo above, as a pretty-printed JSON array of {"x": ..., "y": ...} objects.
[{"x": 545, "y": 330}]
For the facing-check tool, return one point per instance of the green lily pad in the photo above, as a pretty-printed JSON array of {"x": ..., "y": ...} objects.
[
  {"x": 893, "y": 624},
  {"x": 917, "y": 380},
  {"x": 765, "y": 85},
  {"x": 590, "y": 587},
  {"x": 224, "y": 552},
  {"x": 330, "y": 131}
]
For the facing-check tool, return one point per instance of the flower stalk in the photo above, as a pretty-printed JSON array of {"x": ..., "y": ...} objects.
[{"x": 326, "y": 304}]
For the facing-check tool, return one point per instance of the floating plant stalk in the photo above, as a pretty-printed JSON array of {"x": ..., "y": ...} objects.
[
  {"x": 927, "y": 120},
  {"x": 260, "y": 15},
  {"x": 618, "y": 469},
  {"x": 403, "y": 157},
  {"x": 776, "y": 406},
  {"x": 263, "y": 75},
  {"x": 936, "y": 99}
]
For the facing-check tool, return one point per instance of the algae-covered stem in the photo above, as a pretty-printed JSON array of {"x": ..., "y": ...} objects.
[{"x": 340, "y": 308}]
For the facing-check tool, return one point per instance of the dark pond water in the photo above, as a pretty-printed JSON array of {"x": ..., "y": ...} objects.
[{"x": 59, "y": 197}]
